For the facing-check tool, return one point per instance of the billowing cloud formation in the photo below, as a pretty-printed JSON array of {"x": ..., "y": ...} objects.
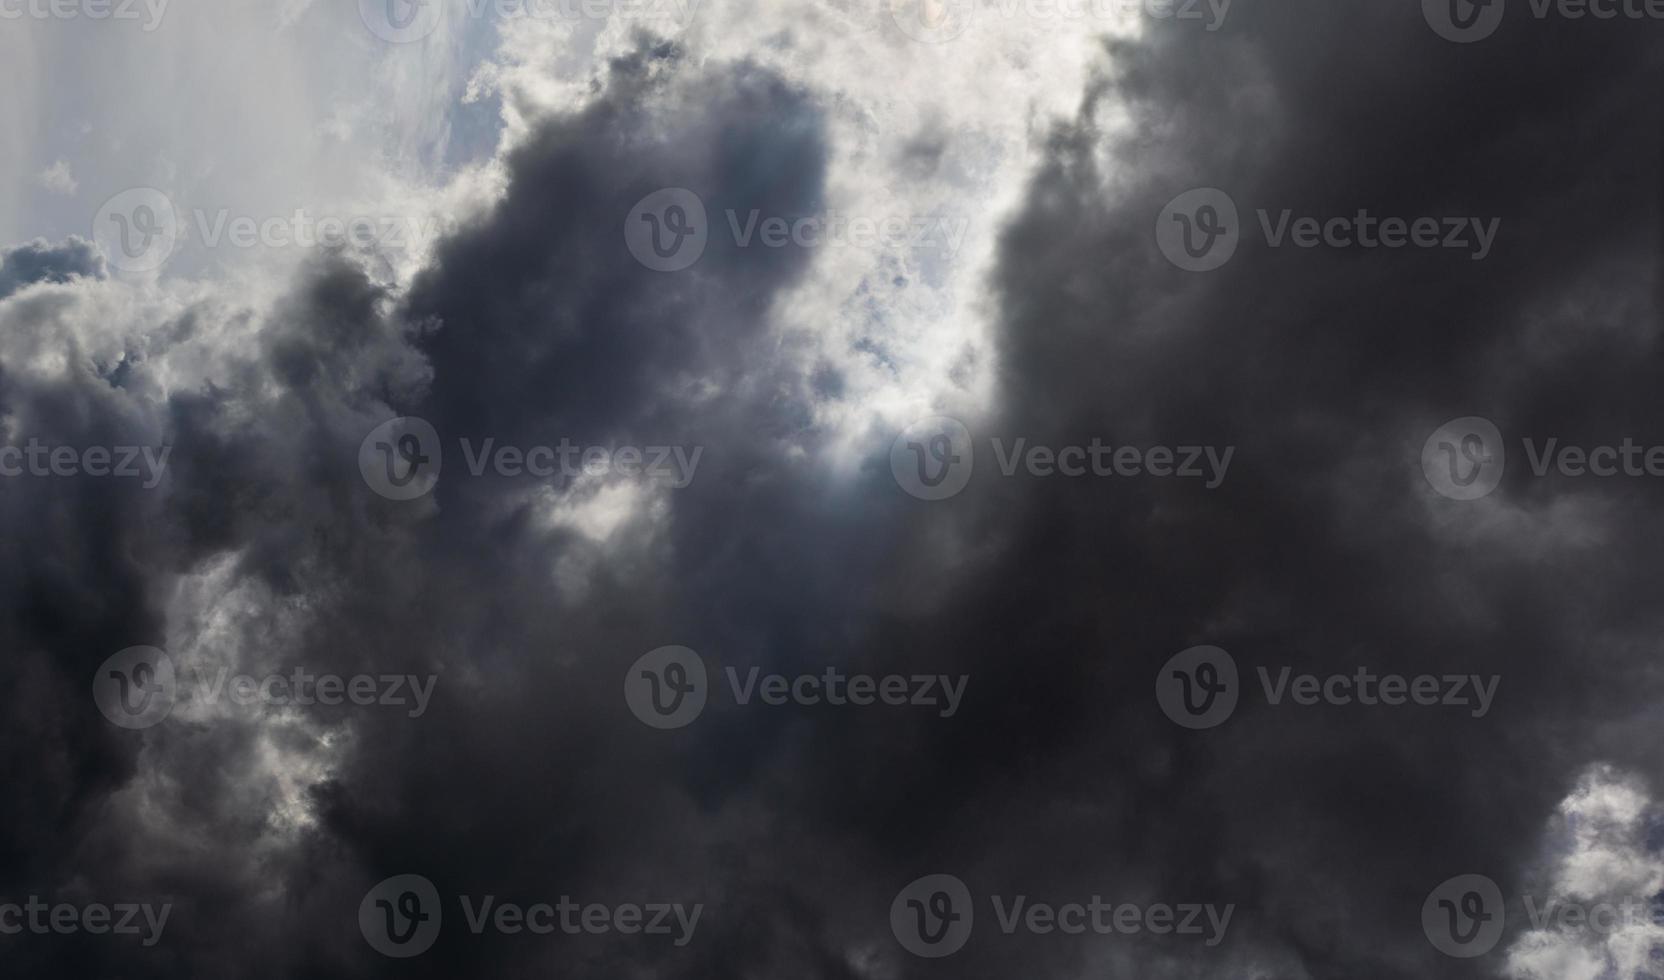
[
  {"x": 40, "y": 261},
  {"x": 1058, "y": 777}
]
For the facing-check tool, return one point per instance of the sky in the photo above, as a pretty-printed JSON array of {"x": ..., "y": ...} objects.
[{"x": 832, "y": 489}]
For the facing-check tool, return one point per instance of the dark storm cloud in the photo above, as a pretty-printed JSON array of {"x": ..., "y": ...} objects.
[
  {"x": 1325, "y": 549},
  {"x": 1059, "y": 778},
  {"x": 40, "y": 261},
  {"x": 535, "y": 325}
]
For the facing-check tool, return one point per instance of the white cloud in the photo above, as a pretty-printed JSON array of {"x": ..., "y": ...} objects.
[
  {"x": 1605, "y": 873},
  {"x": 58, "y": 179}
]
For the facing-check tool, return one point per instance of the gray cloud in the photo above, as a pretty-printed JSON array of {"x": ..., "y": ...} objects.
[{"x": 1059, "y": 778}]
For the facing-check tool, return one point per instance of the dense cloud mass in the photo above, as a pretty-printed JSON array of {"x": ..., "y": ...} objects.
[{"x": 771, "y": 519}]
